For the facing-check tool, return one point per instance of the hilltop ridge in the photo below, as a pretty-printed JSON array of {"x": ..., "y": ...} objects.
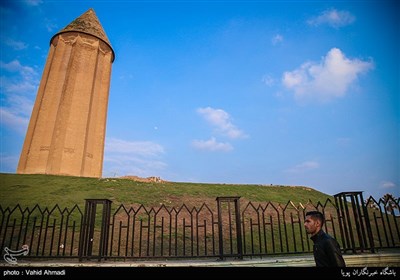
[{"x": 47, "y": 190}]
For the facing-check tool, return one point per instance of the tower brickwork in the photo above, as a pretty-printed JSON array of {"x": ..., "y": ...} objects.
[{"x": 66, "y": 132}]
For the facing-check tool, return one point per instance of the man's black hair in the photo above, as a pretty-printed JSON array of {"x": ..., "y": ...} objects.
[{"x": 317, "y": 215}]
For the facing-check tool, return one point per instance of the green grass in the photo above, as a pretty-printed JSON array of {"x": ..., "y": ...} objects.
[{"x": 48, "y": 190}]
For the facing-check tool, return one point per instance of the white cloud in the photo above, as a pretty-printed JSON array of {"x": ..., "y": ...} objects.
[
  {"x": 13, "y": 120},
  {"x": 15, "y": 66},
  {"x": 140, "y": 148},
  {"x": 212, "y": 145},
  {"x": 140, "y": 158},
  {"x": 16, "y": 45},
  {"x": 221, "y": 120},
  {"x": 303, "y": 167},
  {"x": 330, "y": 78},
  {"x": 268, "y": 80},
  {"x": 332, "y": 17},
  {"x": 387, "y": 185},
  {"x": 120, "y": 165},
  {"x": 19, "y": 86},
  {"x": 278, "y": 38},
  {"x": 33, "y": 2},
  {"x": 50, "y": 25},
  {"x": 19, "y": 80}
]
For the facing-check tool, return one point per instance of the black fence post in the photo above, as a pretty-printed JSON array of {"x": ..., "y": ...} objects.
[
  {"x": 238, "y": 228},
  {"x": 87, "y": 233},
  {"x": 105, "y": 227},
  {"x": 368, "y": 224},
  {"x": 220, "y": 237},
  {"x": 239, "y": 245},
  {"x": 353, "y": 217}
]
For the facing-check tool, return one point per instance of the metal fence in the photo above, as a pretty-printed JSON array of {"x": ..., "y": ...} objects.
[{"x": 224, "y": 229}]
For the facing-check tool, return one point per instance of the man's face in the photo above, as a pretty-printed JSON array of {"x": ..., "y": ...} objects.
[{"x": 311, "y": 225}]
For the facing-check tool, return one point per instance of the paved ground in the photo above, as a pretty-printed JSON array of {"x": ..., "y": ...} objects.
[
  {"x": 382, "y": 259},
  {"x": 364, "y": 266}
]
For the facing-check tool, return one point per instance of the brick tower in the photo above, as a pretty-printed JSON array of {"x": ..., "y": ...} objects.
[{"x": 66, "y": 131}]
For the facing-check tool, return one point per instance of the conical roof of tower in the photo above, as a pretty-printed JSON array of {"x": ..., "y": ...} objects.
[{"x": 87, "y": 23}]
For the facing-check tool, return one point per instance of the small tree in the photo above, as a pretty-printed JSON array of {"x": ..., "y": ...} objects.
[{"x": 390, "y": 202}]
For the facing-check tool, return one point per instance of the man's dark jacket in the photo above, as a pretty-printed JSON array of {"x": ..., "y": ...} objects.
[{"x": 327, "y": 250}]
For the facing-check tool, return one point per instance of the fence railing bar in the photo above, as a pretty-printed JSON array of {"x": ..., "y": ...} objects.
[
  {"x": 389, "y": 226},
  {"x": 264, "y": 232},
  {"x": 73, "y": 237},
  {"x": 259, "y": 231},
  {"x": 140, "y": 237},
  {"x": 301, "y": 231},
  {"x": 162, "y": 236},
  {"x": 12, "y": 232},
  {"x": 251, "y": 236},
  {"x": 230, "y": 227},
  {"x": 19, "y": 233},
  {"x": 377, "y": 229},
  {"x": 52, "y": 236},
  {"x": 293, "y": 232},
  {"x": 154, "y": 234},
  {"x": 133, "y": 236},
  {"x": 184, "y": 236},
  {"x": 286, "y": 234}
]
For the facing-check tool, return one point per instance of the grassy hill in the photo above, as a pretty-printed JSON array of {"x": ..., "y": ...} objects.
[{"x": 48, "y": 190}]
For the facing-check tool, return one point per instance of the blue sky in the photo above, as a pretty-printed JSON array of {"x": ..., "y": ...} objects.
[{"x": 250, "y": 92}]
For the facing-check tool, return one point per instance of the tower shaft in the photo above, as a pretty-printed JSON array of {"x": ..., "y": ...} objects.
[{"x": 66, "y": 132}]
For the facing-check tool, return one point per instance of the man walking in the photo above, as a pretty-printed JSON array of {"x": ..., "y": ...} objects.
[{"x": 326, "y": 249}]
